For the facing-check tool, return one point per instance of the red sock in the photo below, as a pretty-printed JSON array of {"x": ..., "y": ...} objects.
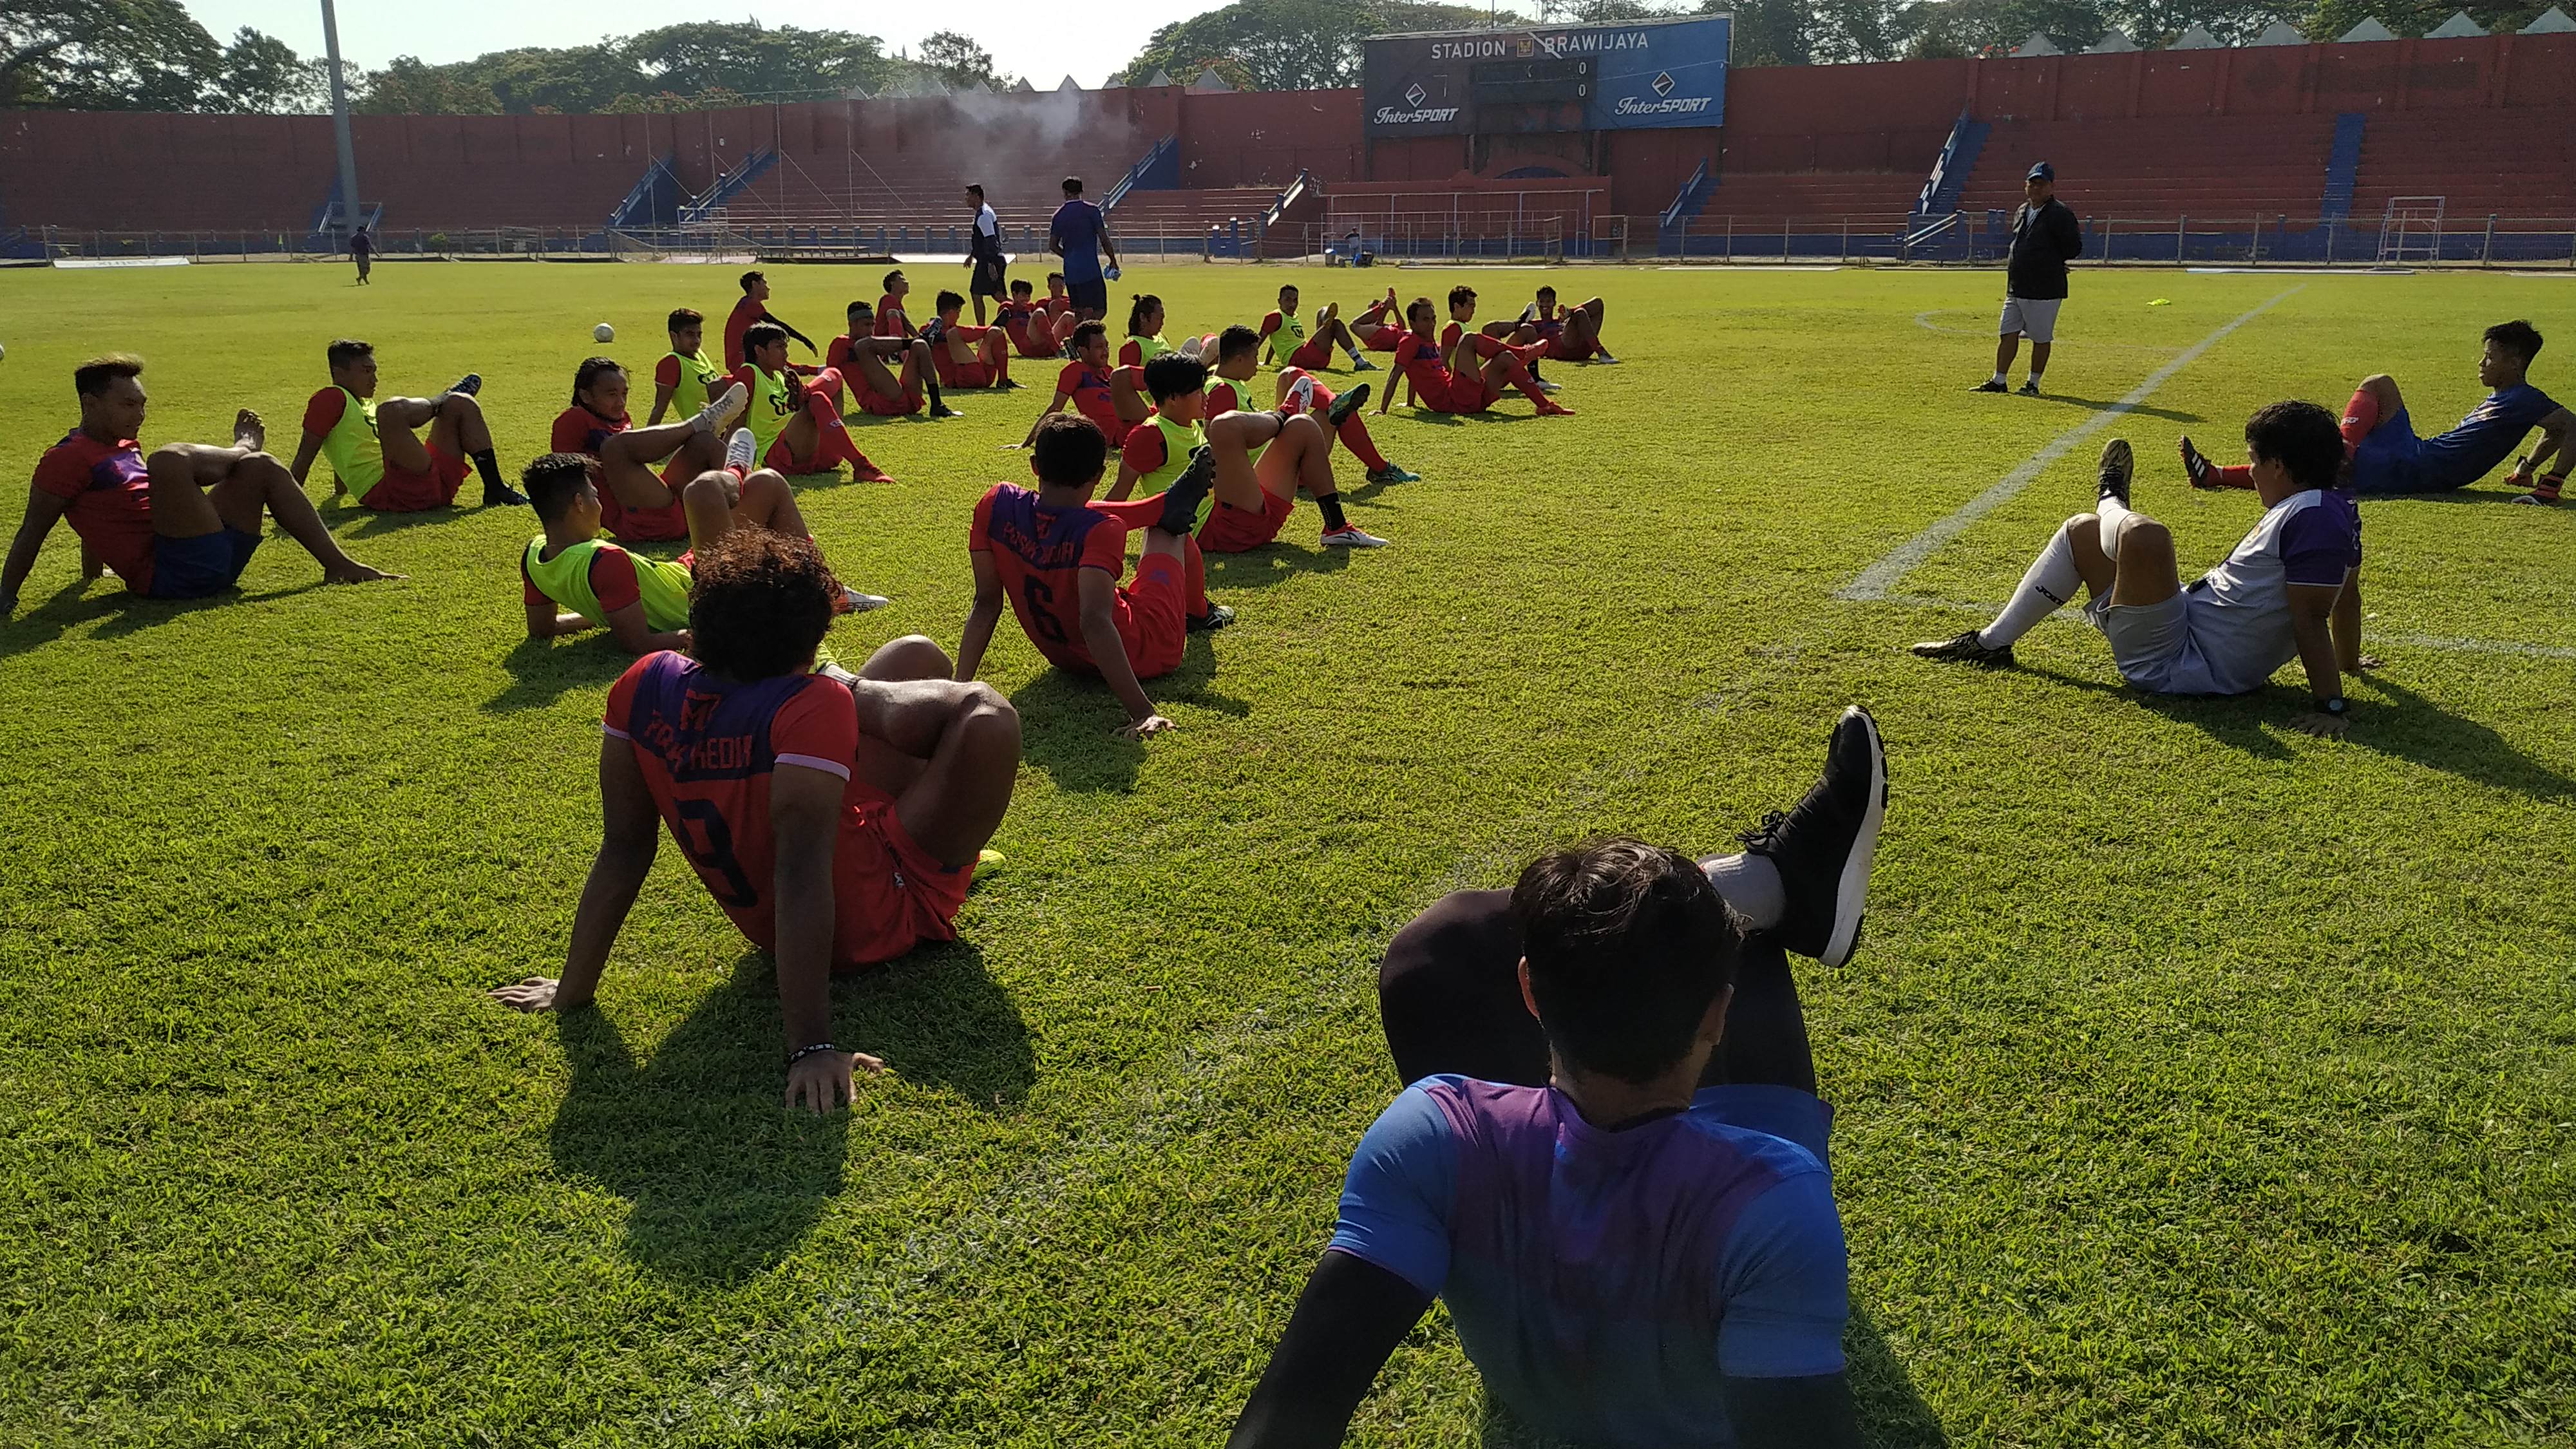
[
  {"x": 1355, "y": 436},
  {"x": 2360, "y": 416},
  {"x": 835, "y": 445},
  {"x": 1521, "y": 379},
  {"x": 2236, "y": 475}
]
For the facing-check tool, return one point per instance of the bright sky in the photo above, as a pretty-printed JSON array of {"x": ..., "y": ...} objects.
[{"x": 1027, "y": 37}]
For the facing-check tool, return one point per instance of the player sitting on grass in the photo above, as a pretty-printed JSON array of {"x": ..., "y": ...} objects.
[
  {"x": 2285, "y": 593},
  {"x": 892, "y": 320},
  {"x": 1610, "y": 1159},
  {"x": 1291, "y": 347},
  {"x": 796, "y": 419},
  {"x": 1031, "y": 327},
  {"x": 964, "y": 355},
  {"x": 835, "y": 817},
  {"x": 2387, "y": 457},
  {"x": 859, "y": 356},
  {"x": 1492, "y": 339},
  {"x": 1439, "y": 390},
  {"x": 638, "y": 504},
  {"x": 1262, "y": 459},
  {"x": 179, "y": 525},
  {"x": 1112, "y": 397},
  {"x": 1572, "y": 334},
  {"x": 642, "y": 602},
  {"x": 376, "y": 460},
  {"x": 1380, "y": 326},
  {"x": 1144, "y": 332},
  {"x": 1238, "y": 357},
  {"x": 751, "y": 310},
  {"x": 685, "y": 378},
  {"x": 1057, "y": 555}
]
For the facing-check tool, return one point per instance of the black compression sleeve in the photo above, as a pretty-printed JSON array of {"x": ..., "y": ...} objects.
[
  {"x": 1808, "y": 1413},
  {"x": 1350, "y": 1318}
]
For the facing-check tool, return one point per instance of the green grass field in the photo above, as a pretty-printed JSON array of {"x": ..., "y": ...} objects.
[{"x": 2198, "y": 1082}]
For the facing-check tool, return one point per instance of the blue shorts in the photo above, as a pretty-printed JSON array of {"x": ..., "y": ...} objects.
[
  {"x": 1092, "y": 296},
  {"x": 192, "y": 568},
  {"x": 2389, "y": 459},
  {"x": 1784, "y": 1112}
]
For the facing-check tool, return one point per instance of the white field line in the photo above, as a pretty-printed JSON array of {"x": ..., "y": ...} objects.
[{"x": 1881, "y": 578}]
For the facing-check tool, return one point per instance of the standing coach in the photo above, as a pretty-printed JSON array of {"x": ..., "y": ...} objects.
[
  {"x": 2045, "y": 238},
  {"x": 1079, "y": 234},
  {"x": 984, "y": 254}
]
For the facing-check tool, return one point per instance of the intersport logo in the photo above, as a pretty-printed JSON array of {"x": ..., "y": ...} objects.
[
  {"x": 1390, "y": 116},
  {"x": 1675, "y": 106}
]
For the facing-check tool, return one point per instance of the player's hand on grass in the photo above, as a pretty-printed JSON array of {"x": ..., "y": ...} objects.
[
  {"x": 2321, "y": 724},
  {"x": 537, "y": 993},
  {"x": 1152, "y": 724},
  {"x": 827, "y": 1081}
]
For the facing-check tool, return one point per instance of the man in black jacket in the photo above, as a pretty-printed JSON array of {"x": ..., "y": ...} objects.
[{"x": 2045, "y": 237}]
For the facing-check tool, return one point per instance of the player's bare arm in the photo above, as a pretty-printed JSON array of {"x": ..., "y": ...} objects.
[
  {"x": 2347, "y": 628},
  {"x": 805, "y": 814},
  {"x": 1052, "y": 409},
  {"x": 1126, "y": 483},
  {"x": 664, "y": 394},
  {"x": 2553, "y": 443},
  {"x": 980, "y": 619},
  {"x": 44, "y": 510},
  {"x": 2312, "y": 608},
  {"x": 1100, "y": 636},
  {"x": 305, "y": 452},
  {"x": 630, "y": 831}
]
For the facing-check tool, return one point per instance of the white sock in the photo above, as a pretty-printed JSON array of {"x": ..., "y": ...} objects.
[
  {"x": 2116, "y": 518},
  {"x": 1750, "y": 884},
  {"x": 1997, "y": 379},
  {"x": 2035, "y": 375},
  {"x": 2049, "y": 586}
]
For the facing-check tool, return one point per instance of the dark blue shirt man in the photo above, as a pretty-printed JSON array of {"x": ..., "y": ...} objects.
[
  {"x": 1079, "y": 234},
  {"x": 2387, "y": 457}
]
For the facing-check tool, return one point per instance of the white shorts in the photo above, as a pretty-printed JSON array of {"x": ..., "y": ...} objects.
[{"x": 2032, "y": 317}]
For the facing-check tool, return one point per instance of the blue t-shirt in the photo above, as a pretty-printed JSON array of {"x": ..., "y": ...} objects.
[
  {"x": 1078, "y": 225},
  {"x": 1602, "y": 1282},
  {"x": 2486, "y": 437}
]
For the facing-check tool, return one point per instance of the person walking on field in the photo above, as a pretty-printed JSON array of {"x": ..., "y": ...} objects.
[
  {"x": 984, "y": 254},
  {"x": 1079, "y": 234},
  {"x": 362, "y": 250},
  {"x": 2045, "y": 237}
]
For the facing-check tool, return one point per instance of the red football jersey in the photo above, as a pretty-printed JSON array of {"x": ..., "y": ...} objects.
[
  {"x": 745, "y": 313},
  {"x": 1091, "y": 397},
  {"x": 579, "y": 430},
  {"x": 111, "y": 500},
  {"x": 1040, "y": 553}
]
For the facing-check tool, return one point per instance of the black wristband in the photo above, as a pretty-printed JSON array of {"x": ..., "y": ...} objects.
[
  {"x": 801, "y": 1053},
  {"x": 2334, "y": 706}
]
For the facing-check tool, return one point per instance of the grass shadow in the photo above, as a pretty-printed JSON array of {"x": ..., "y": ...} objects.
[
  {"x": 1892, "y": 1412},
  {"x": 370, "y": 524},
  {"x": 2098, "y": 405},
  {"x": 722, "y": 1179},
  {"x": 2415, "y": 729},
  {"x": 118, "y": 611},
  {"x": 1262, "y": 567},
  {"x": 2470, "y": 494},
  {"x": 2235, "y": 721},
  {"x": 542, "y": 669},
  {"x": 1069, "y": 722}
]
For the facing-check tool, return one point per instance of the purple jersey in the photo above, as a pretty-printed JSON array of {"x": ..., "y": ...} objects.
[{"x": 1604, "y": 1281}]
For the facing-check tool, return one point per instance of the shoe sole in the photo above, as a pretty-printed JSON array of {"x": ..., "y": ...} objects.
[{"x": 1851, "y": 893}]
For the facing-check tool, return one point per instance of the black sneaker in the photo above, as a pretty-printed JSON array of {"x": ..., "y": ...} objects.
[
  {"x": 2029, "y": 387},
  {"x": 1823, "y": 847},
  {"x": 1990, "y": 385},
  {"x": 470, "y": 384},
  {"x": 1347, "y": 404},
  {"x": 504, "y": 496},
  {"x": 1217, "y": 617},
  {"x": 2119, "y": 468},
  {"x": 1968, "y": 648},
  {"x": 2197, "y": 467},
  {"x": 1183, "y": 500}
]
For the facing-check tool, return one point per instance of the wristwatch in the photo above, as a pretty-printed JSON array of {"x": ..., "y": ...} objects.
[{"x": 2334, "y": 706}]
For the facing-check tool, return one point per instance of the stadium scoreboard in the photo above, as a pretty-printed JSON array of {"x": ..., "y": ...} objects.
[{"x": 1622, "y": 76}]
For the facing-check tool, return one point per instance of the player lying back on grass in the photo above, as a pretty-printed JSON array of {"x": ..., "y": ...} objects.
[
  {"x": 179, "y": 525},
  {"x": 1436, "y": 389},
  {"x": 2387, "y": 457},
  {"x": 1610, "y": 1159},
  {"x": 1112, "y": 397},
  {"x": 835, "y": 817},
  {"x": 1291, "y": 347},
  {"x": 964, "y": 355},
  {"x": 1057, "y": 556},
  {"x": 639, "y": 505},
  {"x": 2287, "y": 592},
  {"x": 1298, "y": 391},
  {"x": 376, "y": 459}
]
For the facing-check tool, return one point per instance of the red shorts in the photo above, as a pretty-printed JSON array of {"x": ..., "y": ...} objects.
[
  {"x": 1384, "y": 339},
  {"x": 778, "y": 459},
  {"x": 1030, "y": 344},
  {"x": 888, "y": 895},
  {"x": 1561, "y": 348},
  {"x": 1154, "y": 623},
  {"x": 1315, "y": 353},
  {"x": 403, "y": 491},
  {"x": 966, "y": 374},
  {"x": 877, "y": 404},
  {"x": 1238, "y": 530}
]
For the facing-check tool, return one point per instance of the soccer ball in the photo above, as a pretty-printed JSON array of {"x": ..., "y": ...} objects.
[
  {"x": 4, "y": 353},
  {"x": 603, "y": 333}
]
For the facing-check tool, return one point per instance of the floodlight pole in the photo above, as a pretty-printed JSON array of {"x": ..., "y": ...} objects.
[{"x": 340, "y": 124}]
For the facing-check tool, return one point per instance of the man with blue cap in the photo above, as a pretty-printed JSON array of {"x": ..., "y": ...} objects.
[{"x": 2045, "y": 237}]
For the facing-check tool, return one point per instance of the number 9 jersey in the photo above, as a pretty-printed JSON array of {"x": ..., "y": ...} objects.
[{"x": 708, "y": 747}]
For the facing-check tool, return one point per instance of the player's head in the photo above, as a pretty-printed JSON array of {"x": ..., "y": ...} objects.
[
  {"x": 1627, "y": 954},
  {"x": 1238, "y": 352},
  {"x": 1288, "y": 297},
  {"x": 1055, "y": 284},
  {"x": 765, "y": 343},
  {"x": 1068, "y": 451},
  {"x": 1462, "y": 302},
  {"x": 1021, "y": 291},
  {"x": 110, "y": 389},
  {"x": 688, "y": 328},
  {"x": 353, "y": 365},
  {"x": 863, "y": 319},
  {"x": 760, "y": 603},
  {"x": 2294, "y": 446},
  {"x": 1172, "y": 376},
  {"x": 895, "y": 285},
  {"x": 599, "y": 384},
  {"x": 1091, "y": 343},
  {"x": 974, "y": 193},
  {"x": 2510, "y": 346},
  {"x": 1145, "y": 315},
  {"x": 560, "y": 489},
  {"x": 2039, "y": 184},
  {"x": 1419, "y": 316},
  {"x": 1072, "y": 187},
  {"x": 1547, "y": 296},
  {"x": 949, "y": 304},
  {"x": 755, "y": 285}
]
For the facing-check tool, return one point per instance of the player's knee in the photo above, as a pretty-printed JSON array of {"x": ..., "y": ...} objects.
[
  {"x": 457, "y": 407},
  {"x": 990, "y": 722},
  {"x": 170, "y": 460},
  {"x": 1305, "y": 426},
  {"x": 2145, "y": 538},
  {"x": 707, "y": 487}
]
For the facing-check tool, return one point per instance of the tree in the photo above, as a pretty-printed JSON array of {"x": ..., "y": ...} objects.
[
  {"x": 262, "y": 75},
  {"x": 104, "y": 55},
  {"x": 959, "y": 62},
  {"x": 1287, "y": 44},
  {"x": 410, "y": 87},
  {"x": 762, "y": 62},
  {"x": 2331, "y": 18}
]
